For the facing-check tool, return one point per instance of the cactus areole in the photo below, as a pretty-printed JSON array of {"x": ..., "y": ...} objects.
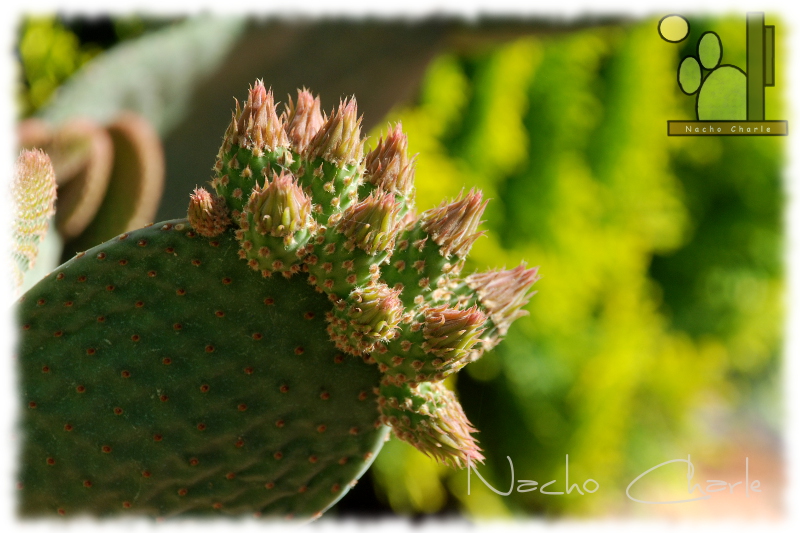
[{"x": 252, "y": 358}]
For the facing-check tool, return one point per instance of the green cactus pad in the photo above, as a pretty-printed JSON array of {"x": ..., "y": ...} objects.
[
  {"x": 689, "y": 76},
  {"x": 162, "y": 376}
]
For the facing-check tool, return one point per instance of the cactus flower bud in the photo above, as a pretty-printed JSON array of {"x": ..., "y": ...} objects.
[
  {"x": 208, "y": 214},
  {"x": 281, "y": 208},
  {"x": 450, "y": 333},
  {"x": 376, "y": 311},
  {"x": 257, "y": 126},
  {"x": 388, "y": 167},
  {"x": 372, "y": 224},
  {"x": 503, "y": 293},
  {"x": 339, "y": 139},
  {"x": 303, "y": 120},
  {"x": 453, "y": 226},
  {"x": 431, "y": 419},
  {"x": 33, "y": 191}
]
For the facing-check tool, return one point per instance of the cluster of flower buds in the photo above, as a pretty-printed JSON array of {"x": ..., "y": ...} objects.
[{"x": 304, "y": 199}]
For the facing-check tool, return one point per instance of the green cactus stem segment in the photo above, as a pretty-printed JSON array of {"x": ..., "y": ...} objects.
[
  {"x": 168, "y": 375},
  {"x": 369, "y": 315},
  {"x": 431, "y": 346},
  {"x": 430, "y": 418}
]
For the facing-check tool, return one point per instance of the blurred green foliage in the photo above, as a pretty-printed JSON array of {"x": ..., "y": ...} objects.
[{"x": 661, "y": 264}]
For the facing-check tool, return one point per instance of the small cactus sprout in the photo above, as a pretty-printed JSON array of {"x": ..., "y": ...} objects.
[
  {"x": 253, "y": 357},
  {"x": 207, "y": 214},
  {"x": 33, "y": 195}
]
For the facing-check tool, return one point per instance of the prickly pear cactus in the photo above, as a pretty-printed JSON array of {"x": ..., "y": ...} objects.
[{"x": 253, "y": 358}]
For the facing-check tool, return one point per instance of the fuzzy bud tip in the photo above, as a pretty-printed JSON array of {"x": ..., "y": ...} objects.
[
  {"x": 281, "y": 208},
  {"x": 339, "y": 139},
  {"x": 372, "y": 223},
  {"x": 454, "y": 226},
  {"x": 208, "y": 214}
]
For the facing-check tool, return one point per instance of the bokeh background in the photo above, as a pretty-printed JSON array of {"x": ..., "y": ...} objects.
[{"x": 657, "y": 328}]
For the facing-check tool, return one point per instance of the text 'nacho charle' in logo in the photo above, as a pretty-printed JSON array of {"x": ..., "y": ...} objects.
[{"x": 728, "y": 100}]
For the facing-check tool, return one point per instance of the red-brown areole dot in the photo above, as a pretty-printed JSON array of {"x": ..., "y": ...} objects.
[
  {"x": 181, "y": 292},
  {"x": 230, "y": 475},
  {"x": 302, "y": 489},
  {"x": 309, "y": 315},
  {"x": 101, "y": 256},
  {"x": 194, "y": 461},
  {"x": 343, "y": 461},
  {"x": 32, "y": 405},
  {"x": 81, "y": 279},
  {"x": 101, "y": 319},
  {"x": 117, "y": 410},
  {"x": 321, "y": 428},
  {"x": 215, "y": 244},
  {"x": 209, "y": 348},
  {"x": 258, "y": 336},
  {"x": 40, "y": 302},
  {"x": 123, "y": 262},
  {"x": 284, "y": 388},
  {"x": 269, "y": 486},
  {"x": 26, "y": 327},
  {"x": 146, "y": 473},
  {"x": 336, "y": 487},
  {"x": 278, "y": 455},
  {"x": 151, "y": 273},
  {"x": 106, "y": 449},
  {"x": 217, "y": 505},
  {"x": 182, "y": 492},
  {"x": 362, "y": 395},
  {"x": 299, "y": 350},
  {"x": 325, "y": 395},
  {"x": 201, "y": 427},
  {"x": 242, "y": 407},
  {"x": 177, "y": 327},
  {"x": 139, "y": 304},
  {"x": 68, "y": 303},
  {"x": 220, "y": 314},
  {"x": 67, "y": 427},
  {"x": 163, "y": 397},
  {"x": 50, "y": 461},
  {"x": 204, "y": 388},
  {"x": 196, "y": 262},
  {"x": 267, "y": 301},
  {"x": 338, "y": 359},
  {"x": 61, "y": 511},
  {"x": 158, "y": 437},
  {"x": 126, "y": 505},
  {"x": 110, "y": 288},
  {"x": 135, "y": 338},
  {"x": 45, "y": 369},
  {"x": 166, "y": 361},
  {"x": 142, "y": 242},
  {"x": 90, "y": 351},
  {"x": 123, "y": 237},
  {"x": 170, "y": 250},
  {"x": 280, "y": 423},
  {"x": 58, "y": 333},
  {"x": 60, "y": 276},
  {"x": 354, "y": 430},
  {"x": 239, "y": 443},
  {"x": 249, "y": 370},
  {"x": 125, "y": 374},
  {"x": 87, "y": 483},
  {"x": 80, "y": 389},
  {"x": 227, "y": 281}
]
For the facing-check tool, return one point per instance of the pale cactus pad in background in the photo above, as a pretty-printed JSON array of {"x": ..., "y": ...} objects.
[{"x": 252, "y": 358}]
